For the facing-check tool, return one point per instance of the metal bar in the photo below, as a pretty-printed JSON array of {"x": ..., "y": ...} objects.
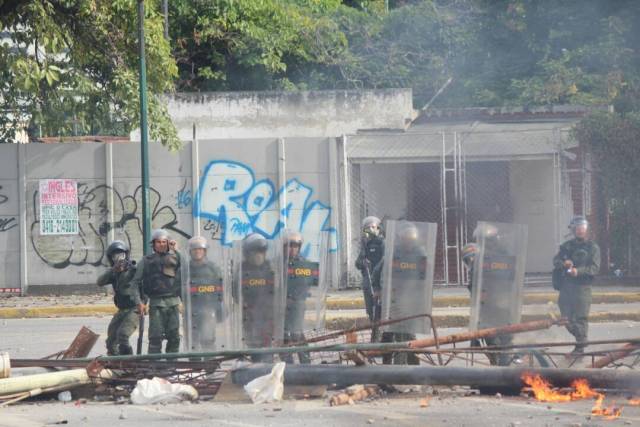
[
  {"x": 195, "y": 176},
  {"x": 144, "y": 140},
  {"x": 616, "y": 355},
  {"x": 365, "y": 327},
  {"x": 108, "y": 159},
  {"x": 282, "y": 180},
  {"x": 486, "y": 333},
  {"x": 334, "y": 176},
  {"x": 482, "y": 333},
  {"x": 443, "y": 207},
  {"x": 439, "y": 375},
  {"x": 346, "y": 204},
  {"x": 22, "y": 211}
]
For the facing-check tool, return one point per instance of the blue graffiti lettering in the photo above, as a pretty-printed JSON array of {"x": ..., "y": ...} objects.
[
  {"x": 230, "y": 195},
  {"x": 183, "y": 198}
]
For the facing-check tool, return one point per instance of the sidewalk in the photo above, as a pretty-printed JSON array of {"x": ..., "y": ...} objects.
[{"x": 346, "y": 308}]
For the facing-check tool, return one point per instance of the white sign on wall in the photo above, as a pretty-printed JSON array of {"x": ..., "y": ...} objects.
[{"x": 58, "y": 206}]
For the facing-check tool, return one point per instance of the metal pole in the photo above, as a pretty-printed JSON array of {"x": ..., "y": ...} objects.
[
  {"x": 437, "y": 375},
  {"x": 165, "y": 12},
  {"x": 144, "y": 142}
]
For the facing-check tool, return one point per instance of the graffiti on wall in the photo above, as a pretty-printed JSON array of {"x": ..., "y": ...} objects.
[
  {"x": 230, "y": 196},
  {"x": 96, "y": 221},
  {"x": 183, "y": 196},
  {"x": 6, "y": 223}
]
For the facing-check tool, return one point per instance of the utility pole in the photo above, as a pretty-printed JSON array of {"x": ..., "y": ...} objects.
[{"x": 144, "y": 140}]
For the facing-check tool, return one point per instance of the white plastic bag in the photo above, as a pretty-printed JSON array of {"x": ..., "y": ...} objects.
[
  {"x": 159, "y": 390},
  {"x": 267, "y": 388}
]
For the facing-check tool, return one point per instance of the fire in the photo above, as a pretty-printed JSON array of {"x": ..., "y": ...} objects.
[
  {"x": 609, "y": 413},
  {"x": 634, "y": 402},
  {"x": 543, "y": 391}
]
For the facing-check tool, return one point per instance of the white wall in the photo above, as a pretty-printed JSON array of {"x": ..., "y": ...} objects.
[{"x": 219, "y": 115}]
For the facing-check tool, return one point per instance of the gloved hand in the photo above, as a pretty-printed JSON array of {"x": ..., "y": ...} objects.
[{"x": 181, "y": 308}]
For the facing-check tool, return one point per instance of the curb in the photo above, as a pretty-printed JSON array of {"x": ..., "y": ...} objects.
[
  {"x": 57, "y": 311},
  {"x": 342, "y": 303},
  {"x": 462, "y": 321},
  {"x": 334, "y": 321}
]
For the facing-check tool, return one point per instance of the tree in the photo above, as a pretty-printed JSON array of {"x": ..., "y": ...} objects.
[
  {"x": 255, "y": 45},
  {"x": 70, "y": 66},
  {"x": 613, "y": 138}
]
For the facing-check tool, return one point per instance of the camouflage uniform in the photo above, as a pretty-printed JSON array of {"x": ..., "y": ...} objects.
[
  {"x": 409, "y": 299},
  {"x": 494, "y": 280},
  {"x": 159, "y": 276},
  {"x": 369, "y": 263},
  {"x": 301, "y": 275},
  {"x": 206, "y": 302},
  {"x": 575, "y": 292},
  {"x": 126, "y": 298},
  {"x": 258, "y": 307}
]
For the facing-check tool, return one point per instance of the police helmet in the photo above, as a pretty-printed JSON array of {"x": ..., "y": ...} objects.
[
  {"x": 254, "y": 242},
  {"x": 408, "y": 233},
  {"x": 292, "y": 237},
  {"x": 578, "y": 220},
  {"x": 159, "y": 234},
  {"x": 469, "y": 251},
  {"x": 371, "y": 221},
  {"x": 198, "y": 242},
  {"x": 486, "y": 231},
  {"x": 116, "y": 246}
]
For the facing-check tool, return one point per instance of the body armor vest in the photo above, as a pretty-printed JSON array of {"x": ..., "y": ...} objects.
[{"x": 160, "y": 271}]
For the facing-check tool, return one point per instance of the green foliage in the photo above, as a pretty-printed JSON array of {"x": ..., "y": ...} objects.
[
  {"x": 613, "y": 141},
  {"x": 71, "y": 68},
  {"x": 252, "y": 44}
]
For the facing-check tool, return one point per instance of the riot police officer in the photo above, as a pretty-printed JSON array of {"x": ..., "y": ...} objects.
[
  {"x": 205, "y": 288},
  {"x": 300, "y": 276},
  {"x": 158, "y": 275},
  {"x": 369, "y": 262},
  {"x": 258, "y": 295},
  {"x": 408, "y": 273},
  {"x": 126, "y": 297},
  {"x": 577, "y": 261},
  {"x": 494, "y": 297}
]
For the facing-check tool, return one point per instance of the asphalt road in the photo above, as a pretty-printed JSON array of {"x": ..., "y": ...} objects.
[
  {"x": 36, "y": 338},
  {"x": 27, "y": 338}
]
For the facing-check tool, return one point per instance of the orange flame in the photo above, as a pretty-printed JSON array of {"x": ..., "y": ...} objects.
[
  {"x": 609, "y": 413},
  {"x": 543, "y": 391},
  {"x": 634, "y": 402}
]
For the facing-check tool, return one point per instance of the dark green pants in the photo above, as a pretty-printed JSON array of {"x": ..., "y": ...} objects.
[
  {"x": 399, "y": 358},
  {"x": 575, "y": 302},
  {"x": 499, "y": 359},
  {"x": 123, "y": 324},
  {"x": 164, "y": 323},
  {"x": 295, "y": 337}
]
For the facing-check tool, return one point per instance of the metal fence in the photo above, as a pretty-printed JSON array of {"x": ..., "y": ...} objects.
[{"x": 455, "y": 178}]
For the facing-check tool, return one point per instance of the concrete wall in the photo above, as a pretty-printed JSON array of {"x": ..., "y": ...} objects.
[
  {"x": 220, "y": 115},
  {"x": 532, "y": 196},
  {"x": 9, "y": 218},
  {"x": 225, "y": 189}
]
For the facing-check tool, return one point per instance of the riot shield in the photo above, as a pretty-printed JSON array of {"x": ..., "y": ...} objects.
[
  {"x": 306, "y": 283},
  {"x": 258, "y": 296},
  {"x": 205, "y": 317},
  {"x": 498, "y": 275},
  {"x": 407, "y": 275}
]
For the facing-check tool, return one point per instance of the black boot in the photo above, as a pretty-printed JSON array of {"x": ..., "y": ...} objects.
[{"x": 125, "y": 349}]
